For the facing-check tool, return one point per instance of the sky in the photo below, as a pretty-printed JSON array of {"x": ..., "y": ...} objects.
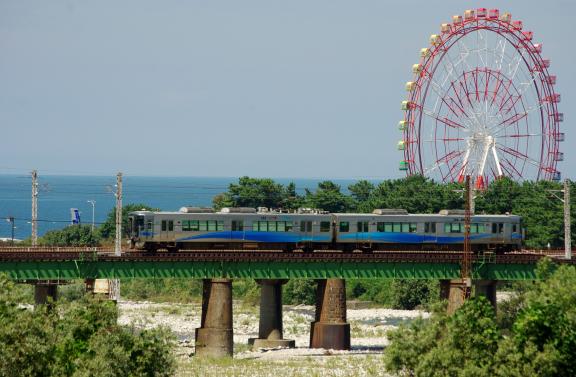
[{"x": 229, "y": 88}]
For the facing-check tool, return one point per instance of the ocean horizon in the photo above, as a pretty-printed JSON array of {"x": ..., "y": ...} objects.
[{"x": 58, "y": 194}]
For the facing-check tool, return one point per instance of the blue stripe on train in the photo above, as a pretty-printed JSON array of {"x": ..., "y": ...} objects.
[
  {"x": 407, "y": 237},
  {"x": 274, "y": 237}
]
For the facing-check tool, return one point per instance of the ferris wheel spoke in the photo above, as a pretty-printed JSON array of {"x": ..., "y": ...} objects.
[
  {"x": 444, "y": 120},
  {"x": 501, "y": 47},
  {"x": 518, "y": 136},
  {"x": 444, "y": 160},
  {"x": 509, "y": 167},
  {"x": 517, "y": 154}
]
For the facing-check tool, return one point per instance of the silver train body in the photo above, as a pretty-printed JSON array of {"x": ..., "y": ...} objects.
[{"x": 383, "y": 230}]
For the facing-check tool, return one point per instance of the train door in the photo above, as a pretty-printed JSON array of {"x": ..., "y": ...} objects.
[
  {"x": 306, "y": 232},
  {"x": 362, "y": 234},
  {"x": 430, "y": 232},
  {"x": 237, "y": 230},
  {"x": 166, "y": 229},
  {"x": 498, "y": 232}
]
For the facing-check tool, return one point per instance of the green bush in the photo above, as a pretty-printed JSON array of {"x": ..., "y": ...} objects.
[
  {"x": 80, "y": 338},
  {"x": 541, "y": 328},
  {"x": 73, "y": 235},
  {"x": 162, "y": 290},
  {"x": 397, "y": 294},
  {"x": 299, "y": 291}
]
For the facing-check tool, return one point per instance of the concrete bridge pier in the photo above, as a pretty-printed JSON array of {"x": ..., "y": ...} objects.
[
  {"x": 330, "y": 329},
  {"x": 453, "y": 291},
  {"x": 45, "y": 293},
  {"x": 486, "y": 288},
  {"x": 214, "y": 337},
  {"x": 270, "y": 329}
]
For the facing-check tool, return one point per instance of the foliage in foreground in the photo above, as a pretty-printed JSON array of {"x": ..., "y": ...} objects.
[
  {"x": 539, "y": 342},
  {"x": 81, "y": 338}
]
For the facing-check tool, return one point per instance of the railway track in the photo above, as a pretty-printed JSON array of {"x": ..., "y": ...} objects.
[{"x": 97, "y": 254}]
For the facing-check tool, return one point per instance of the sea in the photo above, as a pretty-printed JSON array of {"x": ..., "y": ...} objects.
[{"x": 59, "y": 195}]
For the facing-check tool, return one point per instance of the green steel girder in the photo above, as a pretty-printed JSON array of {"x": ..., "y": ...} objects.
[{"x": 67, "y": 270}]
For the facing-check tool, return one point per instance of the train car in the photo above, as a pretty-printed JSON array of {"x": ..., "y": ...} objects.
[
  {"x": 399, "y": 230},
  {"x": 231, "y": 228},
  {"x": 383, "y": 230}
]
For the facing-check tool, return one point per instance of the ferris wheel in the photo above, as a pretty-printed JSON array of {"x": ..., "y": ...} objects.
[{"x": 481, "y": 103}]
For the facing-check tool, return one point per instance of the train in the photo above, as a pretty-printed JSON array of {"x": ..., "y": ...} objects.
[{"x": 307, "y": 230}]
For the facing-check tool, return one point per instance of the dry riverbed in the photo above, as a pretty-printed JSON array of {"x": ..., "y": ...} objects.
[{"x": 368, "y": 329}]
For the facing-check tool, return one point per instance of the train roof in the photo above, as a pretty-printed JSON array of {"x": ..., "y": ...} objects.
[{"x": 438, "y": 216}]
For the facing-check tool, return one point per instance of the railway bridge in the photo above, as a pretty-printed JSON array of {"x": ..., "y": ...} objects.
[{"x": 46, "y": 268}]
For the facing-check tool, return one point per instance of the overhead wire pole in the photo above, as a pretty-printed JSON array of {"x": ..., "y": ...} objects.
[
  {"x": 567, "y": 224},
  {"x": 34, "y": 208},
  {"x": 118, "y": 195},
  {"x": 466, "y": 268}
]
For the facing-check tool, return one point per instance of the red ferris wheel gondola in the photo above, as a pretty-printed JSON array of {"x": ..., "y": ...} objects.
[{"x": 482, "y": 103}]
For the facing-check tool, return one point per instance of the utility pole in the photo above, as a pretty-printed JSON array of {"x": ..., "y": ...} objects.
[
  {"x": 11, "y": 221},
  {"x": 34, "y": 208},
  {"x": 93, "y": 202},
  {"x": 118, "y": 195},
  {"x": 567, "y": 222},
  {"x": 567, "y": 232},
  {"x": 466, "y": 268}
]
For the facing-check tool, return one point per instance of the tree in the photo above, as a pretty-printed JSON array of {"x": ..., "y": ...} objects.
[
  {"x": 252, "y": 192},
  {"x": 108, "y": 229},
  {"x": 361, "y": 191},
  {"x": 73, "y": 235},
  {"x": 328, "y": 198}
]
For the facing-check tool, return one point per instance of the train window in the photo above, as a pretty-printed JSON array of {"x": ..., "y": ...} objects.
[
  {"x": 388, "y": 227},
  {"x": 263, "y": 226},
  {"x": 302, "y": 226},
  {"x": 163, "y": 225},
  {"x": 194, "y": 225},
  {"x": 170, "y": 225},
  {"x": 211, "y": 225},
  {"x": 344, "y": 226},
  {"x": 426, "y": 227},
  {"x": 149, "y": 225},
  {"x": 500, "y": 228},
  {"x": 325, "y": 226},
  {"x": 412, "y": 227},
  {"x": 309, "y": 226},
  {"x": 255, "y": 226},
  {"x": 453, "y": 228},
  {"x": 514, "y": 229},
  {"x": 281, "y": 226},
  {"x": 272, "y": 226},
  {"x": 380, "y": 227},
  {"x": 202, "y": 226},
  {"x": 396, "y": 227},
  {"x": 220, "y": 226},
  {"x": 405, "y": 227},
  {"x": 473, "y": 228},
  {"x": 185, "y": 225},
  {"x": 289, "y": 226}
]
